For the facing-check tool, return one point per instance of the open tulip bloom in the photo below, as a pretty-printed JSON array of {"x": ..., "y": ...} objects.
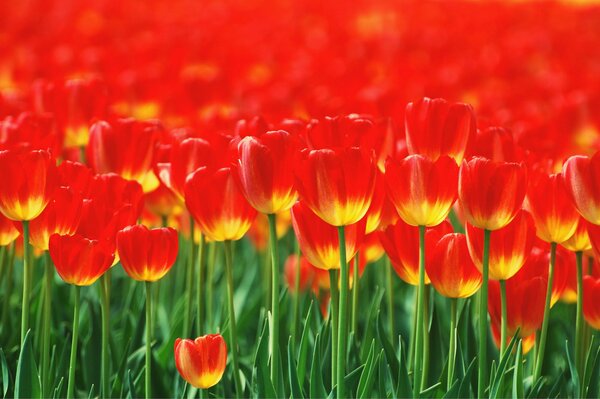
[{"x": 321, "y": 199}]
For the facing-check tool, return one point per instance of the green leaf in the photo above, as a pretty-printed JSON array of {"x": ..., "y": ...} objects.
[
  {"x": 317, "y": 389},
  {"x": 366, "y": 373},
  {"x": 591, "y": 385},
  {"x": 91, "y": 393},
  {"x": 5, "y": 374},
  {"x": 518, "y": 390},
  {"x": 498, "y": 376},
  {"x": 403, "y": 388},
  {"x": 121, "y": 373},
  {"x": 303, "y": 351},
  {"x": 293, "y": 373},
  {"x": 390, "y": 355},
  {"x": 465, "y": 385},
  {"x": 572, "y": 369},
  {"x": 58, "y": 389},
  {"x": 27, "y": 381},
  {"x": 130, "y": 385}
]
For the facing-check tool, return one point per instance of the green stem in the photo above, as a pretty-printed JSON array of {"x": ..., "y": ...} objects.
[
  {"x": 74, "y": 337},
  {"x": 232, "y": 327},
  {"x": 105, "y": 310},
  {"x": 212, "y": 258},
  {"x": 148, "y": 338},
  {"x": 390, "y": 297},
  {"x": 27, "y": 277},
  {"x": 419, "y": 334},
  {"x": 579, "y": 342},
  {"x": 7, "y": 332},
  {"x": 275, "y": 275},
  {"x": 296, "y": 325},
  {"x": 200, "y": 288},
  {"x": 544, "y": 333},
  {"x": 355, "y": 278},
  {"x": 343, "y": 316},
  {"x": 413, "y": 331},
  {"x": 426, "y": 310},
  {"x": 483, "y": 316},
  {"x": 452, "y": 345},
  {"x": 334, "y": 308},
  {"x": 47, "y": 311},
  {"x": 189, "y": 286},
  {"x": 504, "y": 320}
]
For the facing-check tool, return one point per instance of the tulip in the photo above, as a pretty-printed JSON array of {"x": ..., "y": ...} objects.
[
  {"x": 490, "y": 194},
  {"x": 80, "y": 262},
  {"x": 342, "y": 132},
  {"x": 508, "y": 250},
  {"x": 591, "y": 299},
  {"x": 8, "y": 231},
  {"x": 422, "y": 190},
  {"x": 497, "y": 144},
  {"x": 259, "y": 231},
  {"x": 124, "y": 147},
  {"x": 581, "y": 179},
  {"x": 318, "y": 240},
  {"x": 201, "y": 362},
  {"x": 76, "y": 176},
  {"x": 34, "y": 131},
  {"x": 580, "y": 240},
  {"x": 435, "y": 127}
]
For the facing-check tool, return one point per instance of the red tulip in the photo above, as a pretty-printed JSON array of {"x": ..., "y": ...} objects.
[
  {"x": 310, "y": 276},
  {"x": 591, "y": 301},
  {"x": 217, "y": 204},
  {"x": 401, "y": 243},
  {"x": 201, "y": 362},
  {"x": 497, "y": 144},
  {"x": 580, "y": 240},
  {"x": 319, "y": 241},
  {"x": 61, "y": 216},
  {"x": 78, "y": 260},
  {"x": 451, "y": 269},
  {"x": 162, "y": 202},
  {"x": 75, "y": 175},
  {"x": 550, "y": 205},
  {"x": 342, "y": 132},
  {"x": 337, "y": 185},
  {"x": 124, "y": 147},
  {"x": 422, "y": 190},
  {"x": 147, "y": 255},
  {"x": 265, "y": 171},
  {"x": 371, "y": 249},
  {"x": 35, "y": 131},
  {"x": 375, "y": 212},
  {"x": 435, "y": 127},
  {"x": 28, "y": 182},
  {"x": 259, "y": 231},
  {"x": 509, "y": 246},
  {"x": 582, "y": 178},
  {"x": 491, "y": 193},
  {"x": 8, "y": 231}
]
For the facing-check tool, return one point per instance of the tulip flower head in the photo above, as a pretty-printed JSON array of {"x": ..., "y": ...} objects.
[
  {"x": 582, "y": 178},
  {"x": 591, "y": 300},
  {"x": 147, "y": 254},
  {"x": 201, "y": 362}
]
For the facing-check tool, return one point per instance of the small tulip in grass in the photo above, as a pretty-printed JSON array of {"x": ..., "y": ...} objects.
[{"x": 201, "y": 362}]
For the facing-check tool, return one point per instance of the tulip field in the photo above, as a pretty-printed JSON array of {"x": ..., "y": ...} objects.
[{"x": 299, "y": 199}]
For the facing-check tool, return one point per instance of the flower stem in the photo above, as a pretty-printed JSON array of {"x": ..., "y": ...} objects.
[
  {"x": 296, "y": 325},
  {"x": 452, "y": 345},
  {"x": 232, "y": 327},
  {"x": 334, "y": 307},
  {"x": 74, "y": 337},
  {"x": 47, "y": 311},
  {"x": 27, "y": 277},
  {"x": 483, "y": 316},
  {"x": 419, "y": 334},
  {"x": 355, "y": 278},
  {"x": 210, "y": 268},
  {"x": 413, "y": 331},
  {"x": 148, "y": 338},
  {"x": 105, "y": 310},
  {"x": 189, "y": 283},
  {"x": 200, "y": 287},
  {"x": 275, "y": 276},
  {"x": 343, "y": 316},
  {"x": 579, "y": 342},
  {"x": 426, "y": 310},
  {"x": 544, "y": 333},
  {"x": 390, "y": 297},
  {"x": 504, "y": 320}
]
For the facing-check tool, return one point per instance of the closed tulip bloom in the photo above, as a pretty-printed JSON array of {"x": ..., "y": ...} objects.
[
  {"x": 594, "y": 236},
  {"x": 375, "y": 213},
  {"x": 147, "y": 254},
  {"x": 28, "y": 182},
  {"x": 422, "y": 190},
  {"x": 319, "y": 241},
  {"x": 591, "y": 301},
  {"x": 451, "y": 269},
  {"x": 61, "y": 216},
  {"x": 497, "y": 144},
  {"x": 509, "y": 246},
  {"x": 75, "y": 175},
  {"x": 491, "y": 193},
  {"x": 265, "y": 171},
  {"x": 217, "y": 204},
  {"x": 8, "y": 231},
  {"x": 184, "y": 158},
  {"x": 550, "y": 205},
  {"x": 124, "y": 147},
  {"x": 78, "y": 260},
  {"x": 337, "y": 184},
  {"x": 537, "y": 266},
  {"x": 582, "y": 178},
  {"x": 401, "y": 243},
  {"x": 201, "y": 362},
  {"x": 580, "y": 240},
  {"x": 525, "y": 299},
  {"x": 435, "y": 127}
]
